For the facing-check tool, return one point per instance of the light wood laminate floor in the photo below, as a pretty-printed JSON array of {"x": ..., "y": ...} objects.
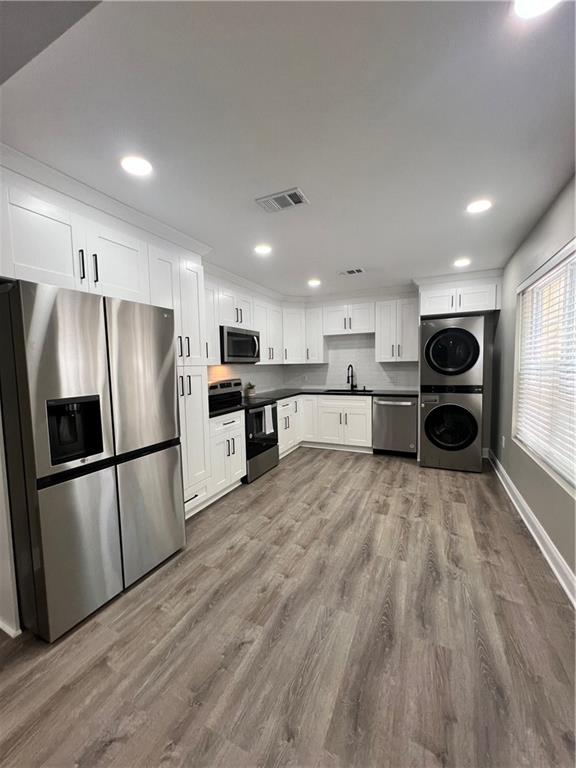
[{"x": 344, "y": 610}]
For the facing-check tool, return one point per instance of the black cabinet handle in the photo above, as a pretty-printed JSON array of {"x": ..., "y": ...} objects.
[
  {"x": 82, "y": 264},
  {"x": 187, "y": 346},
  {"x": 207, "y": 355},
  {"x": 285, "y": 353},
  {"x": 237, "y": 320},
  {"x": 189, "y": 378},
  {"x": 180, "y": 350},
  {"x": 225, "y": 424},
  {"x": 307, "y": 354},
  {"x": 233, "y": 446},
  {"x": 96, "y": 273},
  {"x": 181, "y": 383},
  {"x": 227, "y": 447},
  {"x": 398, "y": 350},
  {"x": 344, "y": 323},
  {"x": 349, "y": 323},
  {"x": 241, "y": 317}
]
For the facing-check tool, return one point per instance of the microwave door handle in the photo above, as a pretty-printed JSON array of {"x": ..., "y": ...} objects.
[{"x": 257, "y": 346}]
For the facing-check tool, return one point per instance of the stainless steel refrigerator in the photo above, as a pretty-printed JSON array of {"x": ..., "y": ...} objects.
[{"x": 90, "y": 420}]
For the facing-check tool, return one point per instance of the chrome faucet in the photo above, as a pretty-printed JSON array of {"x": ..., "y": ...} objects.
[{"x": 350, "y": 377}]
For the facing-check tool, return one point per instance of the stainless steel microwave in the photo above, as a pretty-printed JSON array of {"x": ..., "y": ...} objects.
[{"x": 238, "y": 345}]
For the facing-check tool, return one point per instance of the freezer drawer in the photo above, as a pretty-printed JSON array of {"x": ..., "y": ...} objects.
[
  {"x": 151, "y": 511},
  {"x": 143, "y": 374},
  {"x": 395, "y": 424},
  {"x": 80, "y": 549}
]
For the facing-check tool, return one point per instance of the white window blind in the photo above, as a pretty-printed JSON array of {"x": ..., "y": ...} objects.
[{"x": 545, "y": 402}]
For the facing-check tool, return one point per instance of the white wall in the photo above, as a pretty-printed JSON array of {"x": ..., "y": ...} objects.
[
  {"x": 549, "y": 501},
  {"x": 9, "y": 620},
  {"x": 357, "y": 349}
]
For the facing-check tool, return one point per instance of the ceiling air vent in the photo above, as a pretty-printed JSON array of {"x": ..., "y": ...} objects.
[
  {"x": 280, "y": 201},
  {"x": 353, "y": 271}
]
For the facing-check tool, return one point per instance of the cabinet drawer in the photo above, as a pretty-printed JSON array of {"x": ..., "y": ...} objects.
[{"x": 230, "y": 421}]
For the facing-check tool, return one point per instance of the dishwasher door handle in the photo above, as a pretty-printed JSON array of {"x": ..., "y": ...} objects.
[{"x": 394, "y": 402}]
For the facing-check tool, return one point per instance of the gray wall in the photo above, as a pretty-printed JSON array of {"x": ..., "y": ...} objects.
[{"x": 552, "y": 505}]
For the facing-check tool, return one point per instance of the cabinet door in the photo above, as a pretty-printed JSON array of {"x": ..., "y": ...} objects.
[
  {"x": 437, "y": 301},
  {"x": 296, "y": 421},
  {"x": 358, "y": 427},
  {"x": 117, "y": 264},
  {"x": 407, "y": 325},
  {"x": 197, "y": 436},
  {"x": 42, "y": 243},
  {"x": 385, "y": 339},
  {"x": 314, "y": 336},
  {"x": 192, "y": 302},
  {"x": 165, "y": 288},
  {"x": 330, "y": 422},
  {"x": 275, "y": 334},
  {"x": 294, "y": 336},
  {"x": 220, "y": 450},
  {"x": 261, "y": 325},
  {"x": 237, "y": 458},
  {"x": 228, "y": 311},
  {"x": 361, "y": 318},
  {"x": 181, "y": 390},
  {"x": 284, "y": 434},
  {"x": 211, "y": 321},
  {"x": 309, "y": 418},
  {"x": 335, "y": 320},
  {"x": 244, "y": 307},
  {"x": 476, "y": 298}
]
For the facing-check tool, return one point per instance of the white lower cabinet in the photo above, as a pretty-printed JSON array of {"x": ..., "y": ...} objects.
[
  {"x": 192, "y": 386},
  {"x": 345, "y": 421},
  {"x": 286, "y": 426},
  {"x": 227, "y": 451},
  {"x": 309, "y": 418}
]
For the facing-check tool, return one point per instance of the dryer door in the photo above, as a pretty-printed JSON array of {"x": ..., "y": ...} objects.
[
  {"x": 451, "y": 427},
  {"x": 452, "y": 351}
]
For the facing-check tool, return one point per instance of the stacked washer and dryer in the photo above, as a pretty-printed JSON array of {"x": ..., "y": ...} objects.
[{"x": 451, "y": 392}]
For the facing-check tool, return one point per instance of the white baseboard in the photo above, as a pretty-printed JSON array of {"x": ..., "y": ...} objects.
[
  {"x": 9, "y": 630},
  {"x": 336, "y": 447},
  {"x": 555, "y": 560}
]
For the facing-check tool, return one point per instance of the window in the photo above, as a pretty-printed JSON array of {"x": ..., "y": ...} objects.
[{"x": 545, "y": 395}]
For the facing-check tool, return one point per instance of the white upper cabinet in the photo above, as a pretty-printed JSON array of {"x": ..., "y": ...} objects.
[
  {"x": 294, "y": 321},
  {"x": 314, "y": 335},
  {"x": 348, "y": 318},
  {"x": 235, "y": 308},
  {"x": 42, "y": 242},
  {"x": 268, "y": 321},
  {"x": 165, "y": 288},
  {"x": 211, "y": 321},
  {"x": 437, "y": 301},
  {"x": 193, "y": 313},
  {"x": 117, "y": 263},
  {"x": 476, "y": 296},
  {"x": 397, "y": 324}
]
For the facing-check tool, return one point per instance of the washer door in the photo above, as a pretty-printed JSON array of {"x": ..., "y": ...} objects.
[
  {"x": 451, "y": 427},
  {"x": 452, "y": 351}
]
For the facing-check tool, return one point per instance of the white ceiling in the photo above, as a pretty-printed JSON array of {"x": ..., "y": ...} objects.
[{"x": 389, "y": 116}]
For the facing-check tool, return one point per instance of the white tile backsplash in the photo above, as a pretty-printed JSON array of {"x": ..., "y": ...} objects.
[
  {"x": 340, "y": 351},
  {"x": 357, "y": 349}
]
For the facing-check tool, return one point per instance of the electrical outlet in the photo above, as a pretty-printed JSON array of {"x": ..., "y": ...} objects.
[{"x": 503, "y": 441}]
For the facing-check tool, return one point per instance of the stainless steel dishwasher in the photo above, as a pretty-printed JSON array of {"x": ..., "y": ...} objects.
[{"x": 395, "y": 423}]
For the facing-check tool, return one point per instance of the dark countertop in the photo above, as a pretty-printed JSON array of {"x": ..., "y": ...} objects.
[{"x": 281, "y": 394}]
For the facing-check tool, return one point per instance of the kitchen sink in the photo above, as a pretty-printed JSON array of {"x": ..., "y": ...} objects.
[{"x": 346, "y": 391}]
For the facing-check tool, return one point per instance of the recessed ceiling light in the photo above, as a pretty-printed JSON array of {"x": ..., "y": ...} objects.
[
  {"x": 137, "y": 166},
  {"x": 479, "y": 206},
  {"x": 528, "y": 9},
  {"x": 314, "y": 282},
  {"x": 263, "y": 249},
  {"x": 464, "y": 261}
]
